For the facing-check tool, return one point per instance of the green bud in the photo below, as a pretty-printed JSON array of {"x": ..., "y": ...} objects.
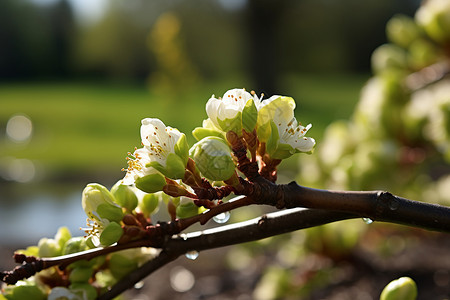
[
  {"x": 124, "y": 196},
  {"x": 84, "y": 290},
  {"x": 62, "y": 236},
  {"x": 80, "y": 274},
  {"x": 74, "y": 245},
  {"x": 388, "y": 57},
  {"x": 111, "y": 234},
  {"x": 25, "y": 290},
  {"x": 120, "y": 265},
  {"x": 402, "y": 30},
  {"x": 151, "y": 183},
  {"x": 149, "y": 203},
  {"x": 48, "y": 248},
  {"x": 213, "y": 158},
  {"x": 403, "y": 288},
  {"x": 98, "y": 203},
  {"x": 186, "y": 208},
  {"x": 434, "y": 17},
  {"x": 249, "y": 116}
]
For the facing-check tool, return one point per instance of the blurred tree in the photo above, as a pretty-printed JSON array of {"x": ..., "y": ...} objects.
[{"x": 34, "y": 40}]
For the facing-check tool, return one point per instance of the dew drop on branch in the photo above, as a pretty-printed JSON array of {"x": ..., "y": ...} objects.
[
  {"x": 222, "y": 218},
  {"x": 367, "y": 220},
  {"x": 192, "y": 255}
]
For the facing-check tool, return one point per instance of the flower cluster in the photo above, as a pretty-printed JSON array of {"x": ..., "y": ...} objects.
[{"x": 266, "y": 127}]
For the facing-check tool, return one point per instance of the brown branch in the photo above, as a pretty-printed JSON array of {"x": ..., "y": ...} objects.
[
  {"x": 376, "y": 205},
  {"x": 252, "y": 230}
]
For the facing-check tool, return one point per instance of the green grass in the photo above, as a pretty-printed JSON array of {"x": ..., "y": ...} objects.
[{"x": 85, "y": 128}]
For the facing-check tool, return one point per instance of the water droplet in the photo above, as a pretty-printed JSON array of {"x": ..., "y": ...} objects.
[
  {"x": 222, "y": 218},
  {"x": 192, "y": 255},
  {"x": 367, "y": 220},
  {"x": 183, "y": 236},
  {"x": 139, "y": 285}
]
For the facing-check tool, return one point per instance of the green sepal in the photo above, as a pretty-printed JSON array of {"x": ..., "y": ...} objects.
[
  {"x": 234, "y": 124},
  {"x": 149, "y": 203},
  {"x": 249, "y": 116},
  {"x": 200, "y": 133},
  {"x": 283, "y": 151},
  {"x": 263, "y": 132},
  {"x": 187, "y": 210},
  {"x": 272, "y": 141},
  {"x": 175, "y": 166},
  {"x": 151, "y": 183},
  {"x": 124, "y": 196},
  {"x": 111, "y": 234},
  {"x": 110, "y": 212},
  {"x": 182, "y": 149}
]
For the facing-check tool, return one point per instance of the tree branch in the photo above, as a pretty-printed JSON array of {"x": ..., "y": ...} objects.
[
  {"x": 376, "y": 205},
  {"x": 262, "y": 227}
]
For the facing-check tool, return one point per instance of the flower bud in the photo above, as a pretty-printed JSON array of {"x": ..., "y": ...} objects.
[
  {"x": 98, "y": 204},
  {"x": 403, "y": 288},
  {"x": 213, "y": 158},
  {"x": 434, "y": 17},
  {"x": 402, "y": 30},
  {"x": 388, "y": 57},
  {"x": 48, "y": 248},
  {"x": 25, "y": 290},
  {"x": 80, "y": 274},
  {"x": 151, "y": 183},
  {"x": 120, "y": 264},
  {"x": 124, "y": 196},
  {"x": 62, "y": 236},
  {"x": 111, "y": 234},
  {"x": 74, "y": 245}
]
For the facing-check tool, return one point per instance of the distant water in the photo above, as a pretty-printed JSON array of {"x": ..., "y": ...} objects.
[{"x": 25, "y": 222}]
